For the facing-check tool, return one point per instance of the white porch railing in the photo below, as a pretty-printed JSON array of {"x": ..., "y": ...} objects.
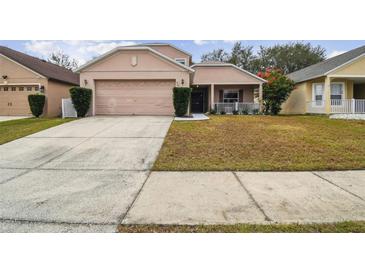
[
  {"x": 240, "y": 107},
  {"x": 348, "y": 106},
  {"x": 337, "y": 106}
]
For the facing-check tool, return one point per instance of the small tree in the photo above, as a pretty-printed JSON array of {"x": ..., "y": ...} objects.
[
  {"x": 276, "y": 90},
  {"x": 81, "y": 98},
  {"x": 181, "y": 97},
  {"x": 36, "y": 104},
  {"x": 63, "y": 60}
]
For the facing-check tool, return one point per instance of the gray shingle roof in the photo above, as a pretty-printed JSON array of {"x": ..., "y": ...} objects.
[
  {"x": 320, "y": 69},
  {"x": 47, "y": 69}
]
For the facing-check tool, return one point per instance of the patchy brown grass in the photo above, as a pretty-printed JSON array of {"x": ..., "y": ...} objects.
[
  {"x": 230, "y": 142},
  {"x": 341, "y": 227}
]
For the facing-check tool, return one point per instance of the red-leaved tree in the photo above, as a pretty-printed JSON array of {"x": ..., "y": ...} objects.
[{"x": 276, "y": 90}]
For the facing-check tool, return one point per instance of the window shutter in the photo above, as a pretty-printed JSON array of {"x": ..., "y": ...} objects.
[
  {"x": 241, "y": 95},
  {"x": 221, "y": 95}
]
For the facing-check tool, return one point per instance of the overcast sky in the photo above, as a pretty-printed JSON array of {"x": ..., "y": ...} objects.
[{"x": 85, "y": 50}]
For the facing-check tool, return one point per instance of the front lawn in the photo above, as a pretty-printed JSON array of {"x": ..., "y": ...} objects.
[
  {"x": 14, "y": 129},
  {"x": 342, "y": 227},
  {"x": 231, "y": 142}
]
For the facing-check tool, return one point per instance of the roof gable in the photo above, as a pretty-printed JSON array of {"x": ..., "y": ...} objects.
[
  {"x": 41, "y": 67},
  {"x": 133, "y": 61},
  {"x": 223, "y": 73},
  {"x": 113, "y": 52},
  {"x": 326, "y": 66},
  {"x": 13, "y": 69}
]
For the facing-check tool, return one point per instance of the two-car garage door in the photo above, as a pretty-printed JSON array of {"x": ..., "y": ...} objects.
[{"x": 134, "y": 97}]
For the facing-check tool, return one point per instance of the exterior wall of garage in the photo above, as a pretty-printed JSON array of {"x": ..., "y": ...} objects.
[
  {"x": 55, "y": 91},
  {"x": 119, "y": 67},
  {"x": 16, "y": 102}
]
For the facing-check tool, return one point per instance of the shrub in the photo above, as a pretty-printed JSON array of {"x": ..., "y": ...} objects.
[
  {"x": 36, "y": 103},
  {"x": 213, "y": 111},
  {"x": 275, "y": 91},
  {"x": 181, "y": 97},
  {"x": 223, "y": 112},
  {"x": 255, "y": 111},
  {"x": 235, "y": 112},
  {"x": 245, "y": 112},
  {"x": 81, "y": 98}
]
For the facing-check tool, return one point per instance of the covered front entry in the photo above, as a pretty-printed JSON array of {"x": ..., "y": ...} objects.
[
  {"x": 199, "y": 100},
  {"x": 134, "y": 97}
]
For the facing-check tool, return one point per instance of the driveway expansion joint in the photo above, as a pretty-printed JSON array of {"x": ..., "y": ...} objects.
[
  {"x": 267, "y": 218},
  {"x": 332, "y": 183},
  {"x": 124, "y": 215}
]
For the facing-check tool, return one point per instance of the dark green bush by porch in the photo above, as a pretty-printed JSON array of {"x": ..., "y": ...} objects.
[
  {"x": 81, "y": 98},
  {"x": 36, "y": 104},
  {"x": 181, "y": 97}
]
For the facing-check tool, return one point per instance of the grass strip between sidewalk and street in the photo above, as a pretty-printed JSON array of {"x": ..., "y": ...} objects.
[{"x": 340, "y": 227}]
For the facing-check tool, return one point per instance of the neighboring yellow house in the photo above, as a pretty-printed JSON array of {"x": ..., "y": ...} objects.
[{"x": 336, "y": 85}]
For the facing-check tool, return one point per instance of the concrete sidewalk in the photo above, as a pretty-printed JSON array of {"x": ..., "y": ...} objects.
[{"x": 249, "y": 197}]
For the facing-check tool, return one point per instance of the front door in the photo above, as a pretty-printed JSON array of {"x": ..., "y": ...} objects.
[{"x": 197, "y": 101}]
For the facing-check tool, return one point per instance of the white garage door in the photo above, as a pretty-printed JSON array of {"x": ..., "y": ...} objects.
[{"x": 129, "y": 97}]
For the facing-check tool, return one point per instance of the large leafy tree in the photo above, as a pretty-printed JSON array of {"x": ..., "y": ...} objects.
[
  {"x": 242, "y": 56},
  {"x": 63, "y": 60},
  {"x": 289, "y": 57},
  {"x": 276, "y": 90},
  {"x": 286, "y": 57},
  {"x": 217, "y": 55}
]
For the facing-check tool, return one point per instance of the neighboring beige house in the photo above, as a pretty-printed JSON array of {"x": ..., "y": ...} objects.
[
  {"x": 22, "y": 74},
  {"x": 336, "y": 85},
  {"x": 138, "y": 80}
]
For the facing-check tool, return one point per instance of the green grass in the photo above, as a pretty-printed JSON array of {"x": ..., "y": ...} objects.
[
  {"x": 341, "y": 227},
  {"x": 14, "y": 129},
  {"x": 264, "y": 143}
]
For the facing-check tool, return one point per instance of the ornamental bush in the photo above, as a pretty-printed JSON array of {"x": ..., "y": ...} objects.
[
  {"x": 276, "y": 90},
  {"x": 81, "y": 98},
  {"x": 181, "y": 98},
  {"x": 36, "y": 103}
]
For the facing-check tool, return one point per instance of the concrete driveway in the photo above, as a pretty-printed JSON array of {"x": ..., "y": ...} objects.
[{"x": 79, "y": 176}]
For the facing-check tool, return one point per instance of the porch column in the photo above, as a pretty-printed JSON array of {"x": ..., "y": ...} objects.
[
  {"x": 211, "y": 96},
  {"x": 327, "y": 95},
  {"x": 260, "y": 98}
]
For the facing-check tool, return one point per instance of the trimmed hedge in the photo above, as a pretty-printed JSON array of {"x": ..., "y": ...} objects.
[
  {"x": 36, "y": 103},
  {"x": 81, "y": 99},
  {"x": 181, "y": 98}
]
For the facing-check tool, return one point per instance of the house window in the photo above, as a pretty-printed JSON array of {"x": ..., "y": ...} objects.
[
  {"x": 29, "y": 88},
  {"x": 13, "y": 88},
  {"x": 21, "y": 88},
  {"x": 230, "y": 96},
  {"x": 337, "y": 91},
  {"x": 181, "y": 61},
  {"x": 36, "y": 88},
  {"x": 318, "y": 94},
  {"x": 6, "y": 88}
]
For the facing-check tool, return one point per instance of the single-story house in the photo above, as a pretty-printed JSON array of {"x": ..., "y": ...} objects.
[
  {"x": 138, "y": 80},
  {"x": 335, "y": 85},
  {"x": 22, "y": 74}
]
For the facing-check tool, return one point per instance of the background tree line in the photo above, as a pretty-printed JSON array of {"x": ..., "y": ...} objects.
[{"x": 287, "y": 57}]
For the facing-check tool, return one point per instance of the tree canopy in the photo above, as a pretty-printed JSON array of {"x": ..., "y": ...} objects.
[
  {"x": 63, "y": 60},
  {"x": 286, "y": 57}
]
